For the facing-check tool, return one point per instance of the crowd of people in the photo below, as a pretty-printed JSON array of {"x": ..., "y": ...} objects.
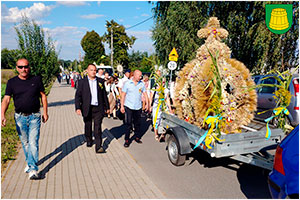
[
  {"x": 131, "y": 97},
  {"x": 98, "y": 95}
]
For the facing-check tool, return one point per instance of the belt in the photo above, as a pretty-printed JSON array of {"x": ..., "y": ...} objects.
[{"x": 24, "y": 114}]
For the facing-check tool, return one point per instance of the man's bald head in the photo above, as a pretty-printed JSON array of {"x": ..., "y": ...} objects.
[
  {"x": 137, "y": 74},
  {"x": 22, "y": 61}
]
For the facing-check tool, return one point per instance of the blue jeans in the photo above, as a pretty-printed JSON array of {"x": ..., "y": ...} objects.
[{"x": 28, "y": 128}]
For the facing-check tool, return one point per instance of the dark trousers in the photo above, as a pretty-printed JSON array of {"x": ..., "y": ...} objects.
[
  {"x": 134, "y": 115},
  {"x": 95, "y": 115}
]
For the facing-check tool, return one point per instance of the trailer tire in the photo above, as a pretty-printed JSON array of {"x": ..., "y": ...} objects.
[{"x": 173, "y": 152}]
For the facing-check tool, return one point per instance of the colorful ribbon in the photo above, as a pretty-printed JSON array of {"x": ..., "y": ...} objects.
[
  {"x": 212, "y": 122},
  {"x": 277, "y": 112}
]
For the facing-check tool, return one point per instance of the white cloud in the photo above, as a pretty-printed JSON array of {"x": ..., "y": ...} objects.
[
  {"x": 143, "y": 46},
  {"x": 36, "y": 12},
  {"x": 121, "y": 20},
  {"x": 66, "y": 33},
  {"x": 91, "y": 16},
  {"x": 140, "y": 34},
  {"x": 138, "y": 8},
  {"x": 40, "y": 22},
  {"x": 8, "y": 38},
  {"x": 145, "y": 15},
  {"x": 72, "y": 3},
  {"x": 98, "y": 3}
]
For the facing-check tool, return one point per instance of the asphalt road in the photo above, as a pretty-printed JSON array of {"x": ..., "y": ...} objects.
[{"x": 200, "y": 177}]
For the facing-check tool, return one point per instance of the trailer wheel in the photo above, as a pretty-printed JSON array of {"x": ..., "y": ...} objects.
[{"x": 173, "y": 152}]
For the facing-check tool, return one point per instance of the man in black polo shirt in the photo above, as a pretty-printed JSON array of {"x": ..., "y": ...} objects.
[{"x": 26, "y": 91}]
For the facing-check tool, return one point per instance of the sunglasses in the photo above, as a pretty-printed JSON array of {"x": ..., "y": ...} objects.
[{"x": 25, "y": 66}]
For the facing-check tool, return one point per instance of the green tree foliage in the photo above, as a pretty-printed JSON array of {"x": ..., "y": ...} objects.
[
  {"x": 9, "y": 58},
  {"x": 177, "y": 23},
  {"x": 140, "y": 60},
  {"x": 92, "y": 45},
  {"x": 37, "y": 49},
  {"x": 121, "y": 43}
]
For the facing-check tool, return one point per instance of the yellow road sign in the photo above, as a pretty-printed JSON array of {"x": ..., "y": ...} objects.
[{"x": 173, "y": 56}]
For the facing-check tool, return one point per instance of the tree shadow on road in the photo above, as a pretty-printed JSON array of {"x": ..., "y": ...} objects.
[
  {"x": 253, "y": 182},
  {"x": 61, "y": 103},
  {"x": 63, "y": 150}
]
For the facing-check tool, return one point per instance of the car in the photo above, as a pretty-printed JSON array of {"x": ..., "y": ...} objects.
[
  {"x": 283, "y": 180},
  {"x": 266, "y": 101},
  {"x": 257, "y": 78}
]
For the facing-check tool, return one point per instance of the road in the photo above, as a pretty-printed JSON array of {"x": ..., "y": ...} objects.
[{"x": 200, "y": 177}]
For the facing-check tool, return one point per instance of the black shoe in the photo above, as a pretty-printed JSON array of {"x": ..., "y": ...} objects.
[
  {"x": 127, "y": 143},
  {"x": 138, "y": 140},
  {"x": 89, "y": 144},
  {"x": 115, "y": 118},
  {"x": 100, "y": 150}
]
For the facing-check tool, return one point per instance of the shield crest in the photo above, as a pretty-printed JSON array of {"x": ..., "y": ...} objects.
[{"x": 279, "y": 17}]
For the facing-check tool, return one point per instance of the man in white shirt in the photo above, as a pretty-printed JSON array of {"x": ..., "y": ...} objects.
[{"x": 123, "y": 80}]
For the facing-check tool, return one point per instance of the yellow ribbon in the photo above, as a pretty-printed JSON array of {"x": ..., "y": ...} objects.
[
  {"x": 209, "y": 136},
  {"x": 276, "y": 112}
]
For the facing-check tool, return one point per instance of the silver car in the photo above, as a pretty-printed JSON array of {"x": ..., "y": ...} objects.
[{"x": 266, "y": 101}]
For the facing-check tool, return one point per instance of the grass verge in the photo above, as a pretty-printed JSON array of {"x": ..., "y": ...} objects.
[{"x": 9, "y": 138}]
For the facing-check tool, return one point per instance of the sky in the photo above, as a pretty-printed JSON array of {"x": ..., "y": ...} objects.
[{"x": 68, "y": 21}]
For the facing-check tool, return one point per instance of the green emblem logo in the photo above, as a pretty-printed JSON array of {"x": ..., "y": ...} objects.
[{"x": 279, "y": 17}]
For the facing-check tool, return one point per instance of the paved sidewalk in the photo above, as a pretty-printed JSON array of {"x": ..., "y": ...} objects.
[{"x": 71, "y": 170}]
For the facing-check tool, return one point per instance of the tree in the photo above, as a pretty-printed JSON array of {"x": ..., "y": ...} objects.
[
  {"x": 92, "y": 45},
  {"x": 37, "y": 49},
  {"x": 135, "y": 59},
  {"x": 140, "y": 60},
  {"x": 121, "y": 43},
  {"x": 9, "y": 58},
  {"x": 249, "y": 39}
]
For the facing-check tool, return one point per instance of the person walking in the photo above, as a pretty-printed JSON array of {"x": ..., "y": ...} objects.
[
  {"x": 26, "y": 91},
  {"x": 112, "y": 93},
  {"x": 147, "y": 87},
  {"x": 91, "y": 102},
  {"x": 131, "y": 105},
  {"x": 159, "y": 100},
  {"x": 100, "y": 73},
  {"x": 68, "y": 78},
  {"x": 123, "y": 80}
]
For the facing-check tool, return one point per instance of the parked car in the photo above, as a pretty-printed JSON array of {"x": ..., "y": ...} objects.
[
  {"x": 283, "y": 180},
  {"x": 256, "y": 78},
  {"x": 266, "y": 101}
]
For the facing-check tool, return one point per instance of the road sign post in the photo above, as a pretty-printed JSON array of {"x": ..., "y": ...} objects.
[{"x": 172, "y": 65}]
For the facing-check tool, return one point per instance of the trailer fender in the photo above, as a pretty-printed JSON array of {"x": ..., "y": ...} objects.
[{"x": 182, "y": 139}]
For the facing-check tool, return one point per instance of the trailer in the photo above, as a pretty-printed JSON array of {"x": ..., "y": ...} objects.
[{"x": 250, "y": 146}]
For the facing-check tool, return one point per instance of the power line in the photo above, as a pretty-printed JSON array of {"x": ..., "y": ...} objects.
[{"x": 139, "y": 23}]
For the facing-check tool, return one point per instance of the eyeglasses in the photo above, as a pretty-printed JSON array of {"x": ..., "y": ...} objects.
[{"x": 25, "y": 66}]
